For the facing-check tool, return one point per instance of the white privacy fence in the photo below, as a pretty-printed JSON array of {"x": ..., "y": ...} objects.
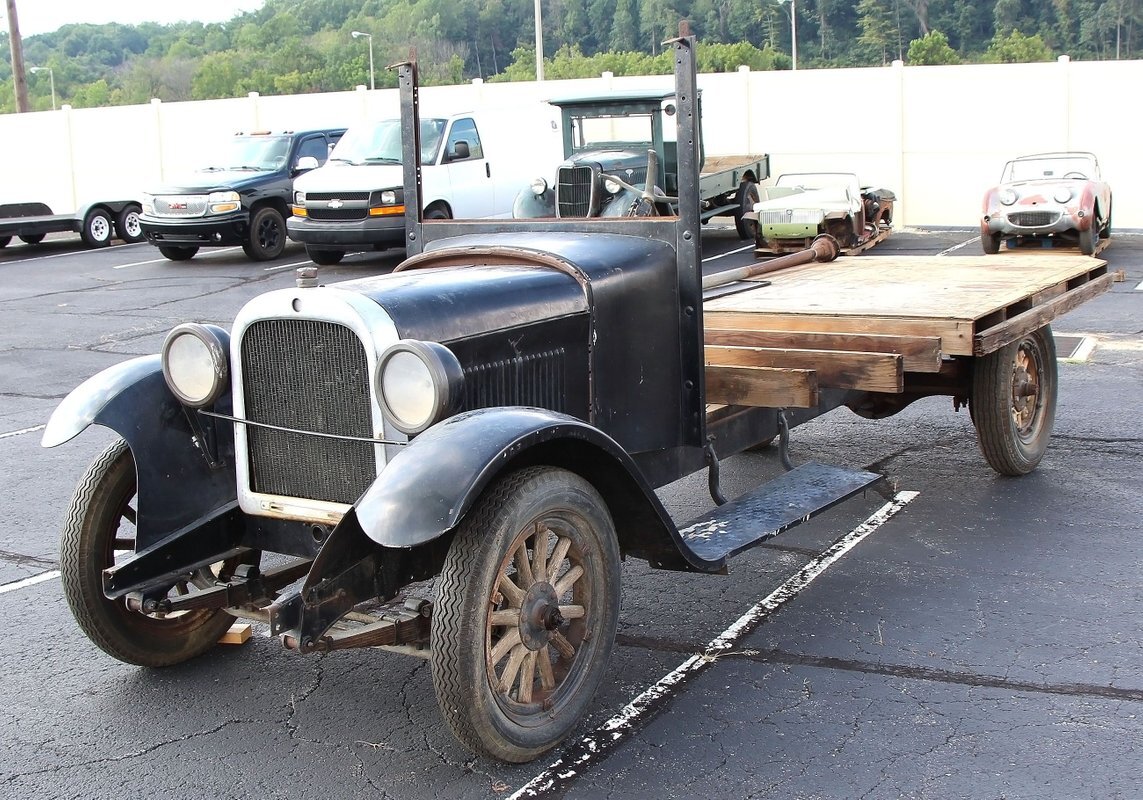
[{"x": 937, "y": 136}]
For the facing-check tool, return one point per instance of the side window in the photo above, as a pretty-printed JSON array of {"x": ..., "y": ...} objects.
[
  {"x": 463, "y": 141},
  {"x": 314, "y": 146}
]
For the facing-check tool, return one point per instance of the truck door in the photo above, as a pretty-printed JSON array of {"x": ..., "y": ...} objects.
[{"x": 469, "y": 172}]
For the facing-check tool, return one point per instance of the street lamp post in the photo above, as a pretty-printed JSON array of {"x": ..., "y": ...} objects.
[
  {"x": 793, "y": 33},
  {"x": 51, "y": 78},
  {"x": 369, "y": 36}
]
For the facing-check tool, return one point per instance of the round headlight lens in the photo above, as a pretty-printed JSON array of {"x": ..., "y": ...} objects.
[
  {"x": 1062, "y": 195},
  {"x": 418, "y": 384},
  {"x": 196, "y": 363},
  {"x": 539, "y": 186},
  {"x": 1008, "y": 196},
  {"x": 611, "y": 186}
]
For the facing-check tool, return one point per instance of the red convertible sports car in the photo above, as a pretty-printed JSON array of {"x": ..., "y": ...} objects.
[{"x": 1057, "y": 195}]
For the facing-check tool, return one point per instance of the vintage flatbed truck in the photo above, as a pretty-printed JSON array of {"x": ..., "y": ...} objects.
[{"x": 495, "y": 415}]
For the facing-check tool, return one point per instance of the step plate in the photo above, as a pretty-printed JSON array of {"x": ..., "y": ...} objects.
[{"x": 775, "y": 506}]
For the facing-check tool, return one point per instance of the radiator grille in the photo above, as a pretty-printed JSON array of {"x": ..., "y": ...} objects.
[
  {"x": 337, "y": 196},
  {"x": 575, "y": 192},
  {"x": 312, "y": 376},
  {"x": 193, "y": 205},
  {"x": 336, "y": 213},
  {"x": 795, "y": 216},
  {"x": 532, "y": 380},
  {"x": 1033, "y": 219}
]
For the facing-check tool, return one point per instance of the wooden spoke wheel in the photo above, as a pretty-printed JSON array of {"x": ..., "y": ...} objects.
[
  {"x": 526, "y": 612},
  {"x": 1014, "y": 402},
  {"x": 98, "y": 532}
]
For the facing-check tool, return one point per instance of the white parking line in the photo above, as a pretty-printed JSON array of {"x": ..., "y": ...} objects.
[
  {"x": 729, "y": 253},
  {"x": 956, "y": 247},
  {"x": 217, "y": 252},
  {"x": 287, "y": 266},
  {"x": 32, "y": 581},
  {"x": 68, "y": 253},
  {"x": 596, "y": 744},
  {"x": 1139, "y": 288},
  {"x": 22, "y": 431}
]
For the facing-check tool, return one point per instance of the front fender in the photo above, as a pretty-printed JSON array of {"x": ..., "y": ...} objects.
[
  {"x": 529, "y": 205},
  {"x": 177, "y": 486}
]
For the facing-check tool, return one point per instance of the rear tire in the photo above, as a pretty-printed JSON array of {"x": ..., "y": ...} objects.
[
  {"x": 127, "y": 225},
  {"x": 1014, "y": 402},
  {"x": 97, "y": 227},
  {"x": 4, "y": 240},
  {"x": 178, "y": 253},
  {"x": 747, "y": 197},
  {"x": 527, "y": 606},
  {"x": 325, "y": 258},
  {"x": 100, "y": 523},
  {"x": 267, "y": 235}
]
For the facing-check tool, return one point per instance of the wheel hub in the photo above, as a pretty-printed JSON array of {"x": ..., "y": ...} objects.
[
  {"x": 539, "y": 615},
  {"x": 1025, "y": 390}
]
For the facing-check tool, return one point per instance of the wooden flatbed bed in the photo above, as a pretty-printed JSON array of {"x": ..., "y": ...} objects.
[{"x": 867, "y": 323}]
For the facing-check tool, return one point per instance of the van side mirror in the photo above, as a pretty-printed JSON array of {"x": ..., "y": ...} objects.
[
  {"x": 459, "y": 152},
  {"x": 306, "y": 163}
]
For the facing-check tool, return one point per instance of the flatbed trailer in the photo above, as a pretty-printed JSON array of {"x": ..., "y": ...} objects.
[{"x": 96, "y": 223}]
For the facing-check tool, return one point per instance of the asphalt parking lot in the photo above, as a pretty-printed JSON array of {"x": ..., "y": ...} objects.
[{"x": 983, "y": 640}]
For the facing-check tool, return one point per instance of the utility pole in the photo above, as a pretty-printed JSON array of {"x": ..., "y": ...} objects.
[{"x": 19, "y": 80}]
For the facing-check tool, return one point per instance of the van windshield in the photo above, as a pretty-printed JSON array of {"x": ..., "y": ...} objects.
[{"x": 380, "y": 142}]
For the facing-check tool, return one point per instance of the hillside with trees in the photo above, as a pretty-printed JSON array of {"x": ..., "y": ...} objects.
[{"x": 296, "y": 46}]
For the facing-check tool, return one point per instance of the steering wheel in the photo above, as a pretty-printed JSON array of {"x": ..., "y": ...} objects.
[{"x": 1075, "y": 174}]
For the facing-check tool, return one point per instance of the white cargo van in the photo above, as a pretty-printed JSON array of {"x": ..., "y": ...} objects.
[{"x": 473, "y": 165}]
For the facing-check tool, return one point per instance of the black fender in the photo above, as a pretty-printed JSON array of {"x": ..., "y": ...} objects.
[
  {"x": 529, "y": 205},
  {"x": 177, "y": 485},
  {"x": 426, "y": 489}
]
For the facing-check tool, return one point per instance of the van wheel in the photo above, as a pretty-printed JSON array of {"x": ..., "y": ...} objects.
[
  {"x": 526, "y": 612},
  {"x": 96, "y": 228},
  {"x": 178, "y": 253},
  {"x": 325, "y": 258},
  {"x": 32, "y": 238},
  {"x": 127, "y": 225},
  {"x": 437, "y": 212},
  {"x": 267, "y": 235}
]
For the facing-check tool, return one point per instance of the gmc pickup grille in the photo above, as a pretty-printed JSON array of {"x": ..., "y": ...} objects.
[
  {"x": 575, "y": 192},
  {"x": 180, "y": 205},
  {"x": 312, "y": 376},
  {"x": 1033, "y": 219},
  {"x": 531, "y": 380}
]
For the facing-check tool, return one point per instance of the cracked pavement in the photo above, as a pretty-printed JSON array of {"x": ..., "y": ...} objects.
[{"x": 987, "y": 642}]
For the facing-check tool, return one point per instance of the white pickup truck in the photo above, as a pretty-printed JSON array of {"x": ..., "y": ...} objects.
[{"x": 473, "y": 166}]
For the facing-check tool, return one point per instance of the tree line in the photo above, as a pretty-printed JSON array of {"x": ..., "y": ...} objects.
[{"x": 297, "y": 46}]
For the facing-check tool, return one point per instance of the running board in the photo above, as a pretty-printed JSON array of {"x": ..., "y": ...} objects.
[{"x": 775, "y": 506}]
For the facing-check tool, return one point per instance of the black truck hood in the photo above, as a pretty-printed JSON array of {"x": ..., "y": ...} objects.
[{"x": 219, "y": 181}]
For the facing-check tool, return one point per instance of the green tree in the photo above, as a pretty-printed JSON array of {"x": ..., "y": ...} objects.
[
  {"x": 931, "y": 49},
  {"x": 1016, "y": 48},
  {"x": 878, "y": 27}
]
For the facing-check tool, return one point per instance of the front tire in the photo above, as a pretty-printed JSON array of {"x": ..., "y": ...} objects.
[
  {"x": 526, "y": 613},
  {"x": 101, "y": 524},
  {"x": 1014, "y": 402},
  {"x": 1090, "y": 238},
  {"x": 97, "y": 228},
  {"x": 178, "y": 253},
  {"x": 747, "y": 197},
  {"x": 32, "y": 238},
  {"x": 267, "y": 235},
  {"x": 325, "y": 258},
  {"x": 990, "y": 243}
]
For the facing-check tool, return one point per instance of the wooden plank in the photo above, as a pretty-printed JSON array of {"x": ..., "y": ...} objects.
[
  {"x": 920, "y": 353},
  {"x": 766, "y": 387},
  {"x": 238, "y": 633},
  {"x": 840, "y": 369},
  {"x": 994, "y": 338},
  {"x": 955, "y": 335}
]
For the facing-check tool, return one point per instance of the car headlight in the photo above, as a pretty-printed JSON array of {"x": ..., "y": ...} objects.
[
  {"x": 389, "y": 197},
  {"x": 1008, "y": 196},
  {"x": 147, "y": 202},
  {"x": 1062, "y": 195},
  {"x": 299, "y": 198},
  {"x": 419, "y": 384},
  {"x": 611, "y": 186},
  {"x": 196, "y": 363},
  {"x": 539, "y": 186},
  {"x": 222, "y": 202}
]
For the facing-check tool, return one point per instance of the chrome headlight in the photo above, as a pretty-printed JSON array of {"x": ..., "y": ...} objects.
[
  {"x": 389, "y": 197},
  {"x": 539, "y": 186},
  {"x": 299, "y": 198},
  {"x": 611, "y": 186},
  {"x": 222, "y": 202},
  {"x": 418, "y": 384},
  {"x": 1008, "y": 196},
  {"x": 196, "y": 363},
  {"x": 147, "y": 201},
  {"x": 1062, "y": 195}
]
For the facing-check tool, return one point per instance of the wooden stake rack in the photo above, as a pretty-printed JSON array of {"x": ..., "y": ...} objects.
[{"x": 862, "y": 323}]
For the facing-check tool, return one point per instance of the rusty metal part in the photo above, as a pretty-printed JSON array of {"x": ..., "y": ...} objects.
[
  {"x": 398, "y": 627},
  {"x": 824, "y": 248}
]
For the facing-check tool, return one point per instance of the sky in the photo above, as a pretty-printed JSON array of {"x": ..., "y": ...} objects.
[{"x": 44, "y": 16}]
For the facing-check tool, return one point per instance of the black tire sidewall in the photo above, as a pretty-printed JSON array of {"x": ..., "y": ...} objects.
[
  {"x": 88, "y": 236},
  {"x": 471, "y": 569},
  {"x": 254, "y": 248}
]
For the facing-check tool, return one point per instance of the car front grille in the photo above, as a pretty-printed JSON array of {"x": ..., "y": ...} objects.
[
  {"x": 180, "y": 205},
  {"x": 336, "y": 213},
  {"x": 343, "y": 196},
  {"x": 575, "y": 192},
  {"x": 1033, "y": 219},
  {"x": 794, "y": 216},
  {"x": 313, "y": 376}
]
